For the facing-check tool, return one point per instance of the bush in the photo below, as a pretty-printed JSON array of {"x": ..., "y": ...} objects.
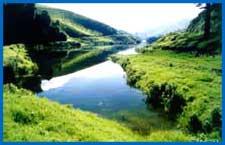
[
  {"x": 16, "y": 57},
  {"x": 194, "y": 124},
  {"x": 216, "y": 118},
  {"x": 25, "y": 117},
  {"x": 166, "y": 97}
]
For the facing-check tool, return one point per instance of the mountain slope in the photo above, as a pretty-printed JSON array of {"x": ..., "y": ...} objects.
[
  {"x": 192, "y": 40},
  {"x": 79, "y": 20},
  {"x": 76, "y": 27}
]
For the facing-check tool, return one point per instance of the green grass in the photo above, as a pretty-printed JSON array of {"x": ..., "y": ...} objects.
[
  {"x": 197, "y": 79},
  {"x": 31, "y": 118},
  {"x": 66, "y": 24},
  {"x": 85, "y": 30},
  {"x": 16, "y": 57}
]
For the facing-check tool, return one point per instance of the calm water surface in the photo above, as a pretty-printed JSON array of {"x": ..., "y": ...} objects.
[{"x": 101, "y": 89}]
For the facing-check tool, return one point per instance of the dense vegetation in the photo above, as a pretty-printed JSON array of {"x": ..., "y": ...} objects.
[{"x": 16, "y": 57}]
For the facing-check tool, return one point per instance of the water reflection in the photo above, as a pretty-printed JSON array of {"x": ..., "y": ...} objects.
[{"x": 101, "y": 88}]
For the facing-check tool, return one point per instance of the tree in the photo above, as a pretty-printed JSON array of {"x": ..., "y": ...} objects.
[
  {"x": 18, "y": 19},
  {"x": 207, "y": 26},
  {"x": 23, "y": 24},
  {"x": 207, "y": 21}
]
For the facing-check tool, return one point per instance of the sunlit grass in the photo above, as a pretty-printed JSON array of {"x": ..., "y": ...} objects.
[{"x": 16, "y": 57}]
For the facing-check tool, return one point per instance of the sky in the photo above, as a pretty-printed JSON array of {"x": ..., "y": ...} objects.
[{"x": 134, "y": 18}]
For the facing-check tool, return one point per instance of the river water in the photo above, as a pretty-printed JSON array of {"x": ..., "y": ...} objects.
[{"x": 101, "y": 89}]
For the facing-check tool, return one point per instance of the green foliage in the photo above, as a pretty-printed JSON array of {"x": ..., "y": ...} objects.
[
  {"x": 16, "y": 57},
  {"x": 195, "y": 125},
  {"x": 162, "y": 75},
  {"x": 166, "y": 97},
  {"x": 19, "y": 68},
  {"x": 197, "y": 24}
]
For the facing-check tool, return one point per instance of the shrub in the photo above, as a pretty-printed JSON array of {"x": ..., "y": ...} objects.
[
  {"x": 216, "y": 118},
  {"x": 155, "y": 96},
  {"x": 16, "y": 57},
  {"x": 166, "y": 97},
  {"x": 25, "y": 117},
  {"x": 194, "y": 124}
]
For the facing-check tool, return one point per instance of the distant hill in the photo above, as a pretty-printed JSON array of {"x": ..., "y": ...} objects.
[{"x": 77, "y": 26}]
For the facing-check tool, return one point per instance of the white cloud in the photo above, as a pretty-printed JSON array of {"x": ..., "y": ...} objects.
[{"x": 133, "y": 17}]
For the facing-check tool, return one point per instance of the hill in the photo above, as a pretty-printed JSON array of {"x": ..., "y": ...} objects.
[
  {"x": 76, "y": 26},
  {"x": 192, "y": 39}
]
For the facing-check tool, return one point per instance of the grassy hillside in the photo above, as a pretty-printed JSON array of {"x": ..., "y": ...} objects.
[
  {"x": 190, "y": 42},
  {"x": 76, "y": 26},
  {"x": 30, "y": 118},
  {"x": 75, "y": 19},
  {"x": 192, "y": 39}
]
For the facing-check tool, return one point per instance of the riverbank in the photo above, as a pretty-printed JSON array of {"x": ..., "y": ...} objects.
[
  {"x": 31, "y": 118},
  {"x": 195, "y": 83}
]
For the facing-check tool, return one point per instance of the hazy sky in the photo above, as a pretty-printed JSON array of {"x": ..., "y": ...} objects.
[{"x": 133, "y": 17}]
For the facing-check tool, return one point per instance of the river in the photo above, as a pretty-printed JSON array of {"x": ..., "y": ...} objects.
[{"x": 101, "y": 89}]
